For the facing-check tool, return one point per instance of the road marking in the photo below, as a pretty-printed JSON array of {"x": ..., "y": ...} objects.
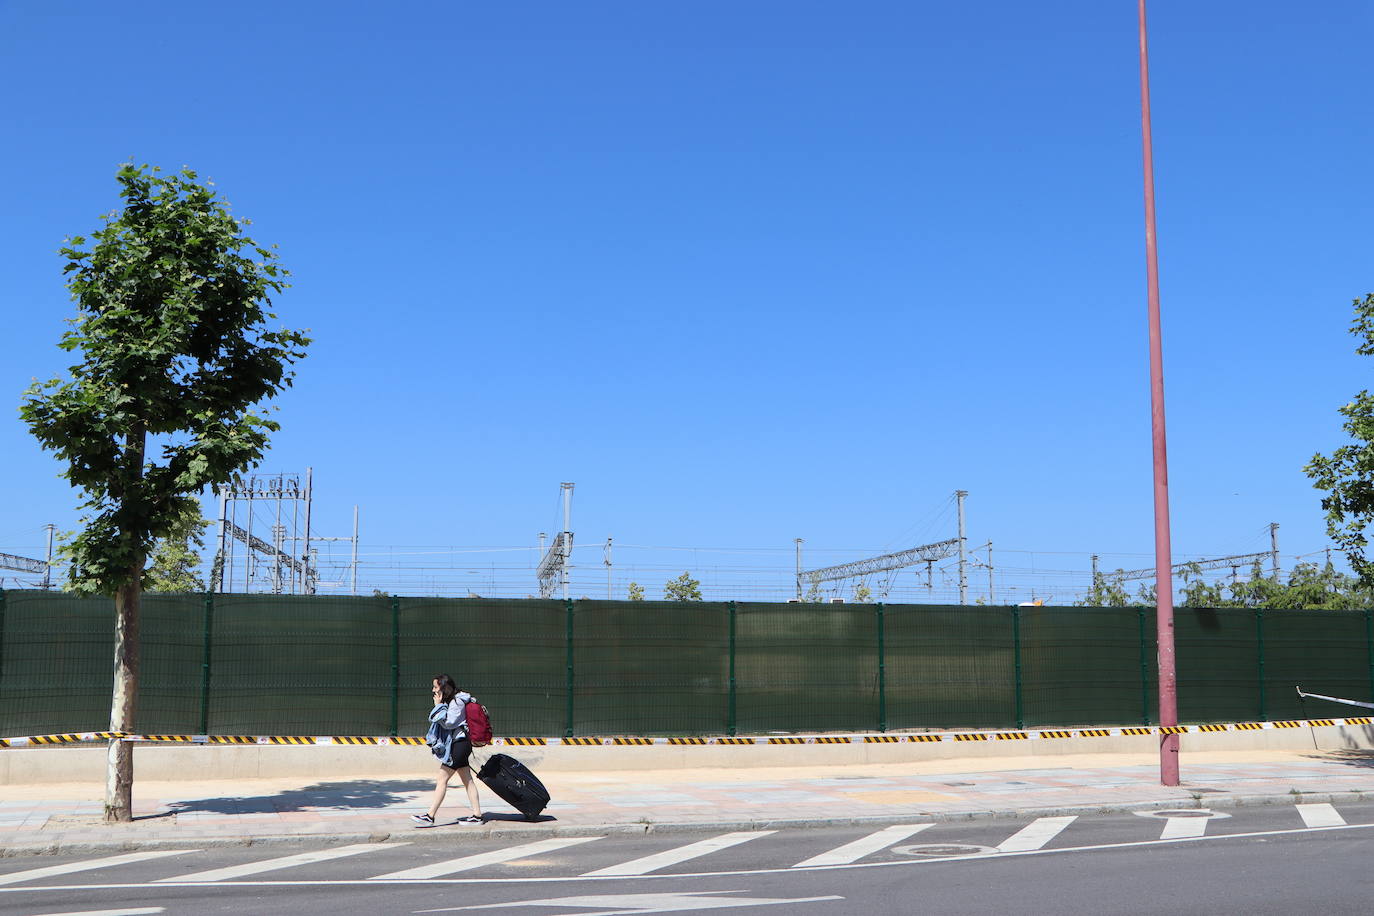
[
  {"x": 141, "y": 911},
  {"x": 495, "y": 857},
  {"x": 1177, "y": 828},
  {"x": 1036, "y": 834},
  {"x": 254, "y": 868},
  {"x": 853, "y": 852},
  {"x": 1320, "y": 815},
  {"x": 681, "y": 854},
  {"x": 558, "y": 879},
  {"x": 88, "y": 864},
  {"x": 644, "y": 903}
]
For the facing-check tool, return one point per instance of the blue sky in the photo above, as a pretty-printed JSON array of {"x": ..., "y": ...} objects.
[{"x": 743, "y": 271}]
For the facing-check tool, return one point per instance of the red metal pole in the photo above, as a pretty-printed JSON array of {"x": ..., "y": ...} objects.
[{"x": 1164, "y": 580}]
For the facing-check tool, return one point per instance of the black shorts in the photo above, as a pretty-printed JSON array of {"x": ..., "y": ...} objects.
[{"x": 460, "y": 751}]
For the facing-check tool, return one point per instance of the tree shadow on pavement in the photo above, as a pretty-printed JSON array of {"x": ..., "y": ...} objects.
[
  {"x": 1354, "y": 757},
  {"x": 349, "y": 795}
]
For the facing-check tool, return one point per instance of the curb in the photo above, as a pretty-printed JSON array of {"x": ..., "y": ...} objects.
[{"x": 1196, "y": 800}]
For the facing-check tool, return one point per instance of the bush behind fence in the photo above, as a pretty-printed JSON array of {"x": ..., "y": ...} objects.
[{"x": 269, "y": 664}]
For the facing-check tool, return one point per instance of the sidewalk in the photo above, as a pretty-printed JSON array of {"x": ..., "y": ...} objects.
[{"x": 66, "y": 818}]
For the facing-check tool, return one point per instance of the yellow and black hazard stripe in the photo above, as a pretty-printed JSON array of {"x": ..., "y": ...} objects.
[
  {"x": 523, "y": 742},
  {"x": 638, "y": 742},
  {"x": 581, "y": 742},
  {"x": 232, "y": 739},
  {"x": 352, "y": 739},
  {"x": 686, "y": 741},
  {"x": 1137, "y": 730},
  {"x": 1012, "y": 736},
  {"x": 1059, "y": 733}
]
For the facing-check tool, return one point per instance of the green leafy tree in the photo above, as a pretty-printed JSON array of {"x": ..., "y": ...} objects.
[
  {"x": 863, "y": 594},
  {"x": 175, "y": 565},
  {"x": 1347, "y": 475},
  {"x": 683, "y": 588},
  {"x": 1108, "y": 590},
  {"x": 814, "y": 594},
  {"x": 173, "y": 353},
  {"x": 636, "y": 591}
]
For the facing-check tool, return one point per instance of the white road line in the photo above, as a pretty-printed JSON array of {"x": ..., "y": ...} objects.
[
  {"x": 1036, "y": 834},
  {"x": 254, "y": 868},
  {"x": 1177, "y": 828},
  {"x": 88, "y": 864},
  {"x": 141, "y": 911},
  {"x": 496, "y": 857},
  {"x": 1320, "y": 815},
  {"x": 681, "y": 854},
  {"x": 853, "y": 852}
]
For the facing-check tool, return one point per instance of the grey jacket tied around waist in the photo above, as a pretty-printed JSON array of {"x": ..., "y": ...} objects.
[{"x": 448, "y": 722}]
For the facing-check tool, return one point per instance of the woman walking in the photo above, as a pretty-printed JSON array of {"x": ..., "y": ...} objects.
[{"x": 448, "y": 740}]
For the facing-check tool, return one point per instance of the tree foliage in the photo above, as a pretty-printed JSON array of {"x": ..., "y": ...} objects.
[
  {"x": 683, "y": 588},
  {"x": 1307, "y": 586},
  {"x": 636, "y": 591},
  {"x": 171, "y": 341},
  {"x": 175, "y": 563},
  {"x": 1347, "y": 475}
]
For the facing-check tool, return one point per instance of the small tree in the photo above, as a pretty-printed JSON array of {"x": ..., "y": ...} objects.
[
  {"x": 636, "y": 591},
  {"x": 683, "y": 588},
  {"x": 175, "y": 565},
  {"x": 173, "y": 354},
  {"x": 1347, "y": 475},
  {"x": 862, "y": 594}
]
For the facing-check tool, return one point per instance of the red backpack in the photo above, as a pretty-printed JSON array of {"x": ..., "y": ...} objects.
[{"x": 479, "y": 724}]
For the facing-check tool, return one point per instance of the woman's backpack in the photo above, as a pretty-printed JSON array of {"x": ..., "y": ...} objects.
[{"x": 479, "y": 723}]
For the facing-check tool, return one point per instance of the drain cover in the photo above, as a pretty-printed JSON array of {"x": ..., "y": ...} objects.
[{"x": 943, "y": 849}]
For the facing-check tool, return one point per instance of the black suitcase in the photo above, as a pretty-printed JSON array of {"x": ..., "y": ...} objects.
[{"x": 515, "y": 784}]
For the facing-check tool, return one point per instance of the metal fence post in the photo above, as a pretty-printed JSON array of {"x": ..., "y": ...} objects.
[
  {"x": 1259, "y": 638},
  {"x": 882, "y": 673},
  {"x": 731, "y": 723},
  {"x": 1144, "y": 672},
  {"x": 1369, "y": 643},
  {"x": 568, "y": 729},
  {"x": 2, "y": 633},
  {"x": 205, "y": 665},
  {"x": 395, "y": 665},
  {"x": 1016, "y": 655}
]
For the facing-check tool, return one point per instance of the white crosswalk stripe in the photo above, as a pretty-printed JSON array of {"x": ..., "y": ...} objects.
[
  {"x": 853, "y": 852},
  {"x": 1036, "y": 834},
  {"x": 1178, "y": 828},
  {"x": 681, "y": 854},
  {"x": 68, "y": 868},
  {"x": 256, "y": 868},
  {"x": 496, "y": 857},
  {"x": 1320, "y": 815}
]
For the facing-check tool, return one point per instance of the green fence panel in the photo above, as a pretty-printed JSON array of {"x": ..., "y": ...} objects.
[
  {"x": 58, "y": 665},
  {"x": 1218, "y": 658},
  {"x": 806, "y": 667},
  {"x": 651, "y": 667},
  {"x": 1321, "y": 651},
  {"x": 510, "y": 653},
  {"x": 297, "y": 665},
  {"x": 171, "y": 659},
  {"x": 949, "y": 667},
  {"x": 1080, "y": 666}
]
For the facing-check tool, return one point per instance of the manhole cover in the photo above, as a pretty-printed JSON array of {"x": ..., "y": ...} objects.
[
  {"x": 1181, "y": 812},
  {"x": 943, "y": 849}
]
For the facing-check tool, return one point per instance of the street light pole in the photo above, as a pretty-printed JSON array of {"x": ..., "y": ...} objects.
[{"x": 1164, "y": 582}]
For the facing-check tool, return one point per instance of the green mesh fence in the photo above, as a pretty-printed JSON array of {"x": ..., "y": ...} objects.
[
  {"x": 262, "y": 664},
  {"x": 805, "y": 667},
  {"x": 949, "y": 667}
]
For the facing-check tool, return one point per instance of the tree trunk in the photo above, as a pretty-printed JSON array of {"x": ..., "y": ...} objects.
[
  {"x": 119, "y": 774},
  {"x": 119, "y": 771}
]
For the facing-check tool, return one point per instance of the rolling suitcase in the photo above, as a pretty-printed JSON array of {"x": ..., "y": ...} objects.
[{"x": 515, "y": 784}]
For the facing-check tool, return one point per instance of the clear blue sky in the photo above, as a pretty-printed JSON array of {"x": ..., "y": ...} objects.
[{"x": 743, "y": 271}]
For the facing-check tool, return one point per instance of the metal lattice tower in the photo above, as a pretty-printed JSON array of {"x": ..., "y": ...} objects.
[{"x": 553, "y": 566}]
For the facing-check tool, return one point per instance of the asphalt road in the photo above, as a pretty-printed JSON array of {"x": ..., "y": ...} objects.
[{"x": 1279, "y": 859}]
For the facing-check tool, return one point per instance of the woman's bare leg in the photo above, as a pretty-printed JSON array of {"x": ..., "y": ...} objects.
[
  {"x": 470, "y": 784},
  {"x": 440, "y": 790}
]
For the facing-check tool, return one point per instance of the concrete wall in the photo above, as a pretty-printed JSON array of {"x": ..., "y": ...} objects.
[{"x": 24, "y": 766}]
